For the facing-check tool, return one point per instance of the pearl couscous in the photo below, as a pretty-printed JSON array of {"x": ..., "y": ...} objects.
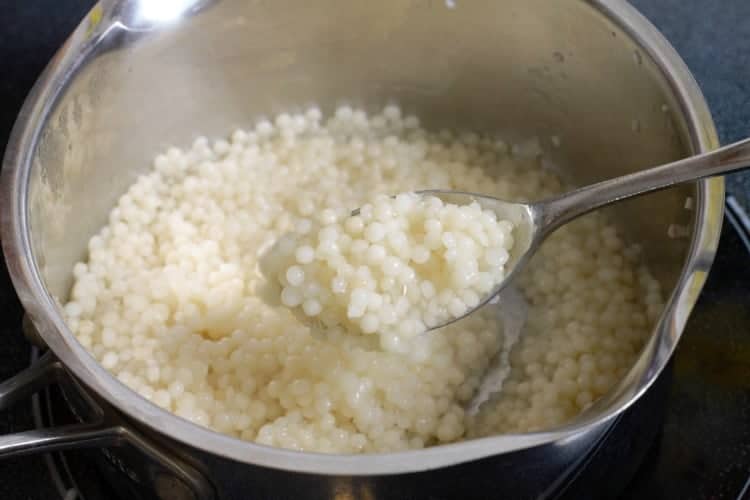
[
  {"x": 397, "y": 268},
  {"x": 173, "y": 300}
]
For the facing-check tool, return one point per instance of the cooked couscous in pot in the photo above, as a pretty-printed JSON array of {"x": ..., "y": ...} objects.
[{"x": 233, "y": 287}]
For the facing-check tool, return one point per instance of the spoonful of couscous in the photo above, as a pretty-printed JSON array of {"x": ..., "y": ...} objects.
[
  {"x": 397, "y": 267},
  {"x": 403, "y": 265}
]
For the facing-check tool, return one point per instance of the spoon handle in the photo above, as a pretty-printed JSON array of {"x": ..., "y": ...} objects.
[{"x": 557, "y": 211}]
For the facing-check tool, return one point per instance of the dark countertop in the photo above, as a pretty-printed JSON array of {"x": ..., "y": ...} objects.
[{"x": 713, "y": 36}]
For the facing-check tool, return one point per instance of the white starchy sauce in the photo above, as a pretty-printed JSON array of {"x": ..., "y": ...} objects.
[
  {"x": 400, "y": 266},
  {"x": 172, "y": 300}
]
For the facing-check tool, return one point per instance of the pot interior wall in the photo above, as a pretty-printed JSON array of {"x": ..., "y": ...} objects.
[{"x": 521, "y": 68}]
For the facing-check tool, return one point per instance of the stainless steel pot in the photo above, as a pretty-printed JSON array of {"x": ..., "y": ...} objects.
[{"x": 138, "y": 75}]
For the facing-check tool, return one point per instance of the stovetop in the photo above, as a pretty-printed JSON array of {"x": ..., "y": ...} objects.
[{"x": 703, "y": 449}]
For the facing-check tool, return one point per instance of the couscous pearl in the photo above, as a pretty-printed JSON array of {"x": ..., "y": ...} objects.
[
  {"x": 295, "y": 275},
  {"x": 354, "y": 225},
  {"x": 305, "y": 254},
  {"x": 375, "y": 232},
  {"x": 420, "y": 254},
  {"x": 311, "y": 307}
]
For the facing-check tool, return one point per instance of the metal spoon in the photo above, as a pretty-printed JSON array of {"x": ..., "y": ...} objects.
[{"x": 535, "y": 221}]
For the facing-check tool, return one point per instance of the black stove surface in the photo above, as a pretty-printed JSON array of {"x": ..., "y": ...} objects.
[{"x": 703, "y": 449}]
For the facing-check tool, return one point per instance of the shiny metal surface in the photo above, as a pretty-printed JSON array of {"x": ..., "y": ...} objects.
[
  {"x": 593, "y": 74},
  {"x": 536, "y": 220},
  {"x": 99, "y": 429}
]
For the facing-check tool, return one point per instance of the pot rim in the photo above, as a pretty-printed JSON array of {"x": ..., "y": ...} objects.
[{"x": 45, "y": 313}]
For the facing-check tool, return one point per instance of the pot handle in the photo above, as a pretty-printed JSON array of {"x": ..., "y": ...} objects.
[
  {"x": 44, "y": 372},
  {"x": 101, "y": 432}
]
